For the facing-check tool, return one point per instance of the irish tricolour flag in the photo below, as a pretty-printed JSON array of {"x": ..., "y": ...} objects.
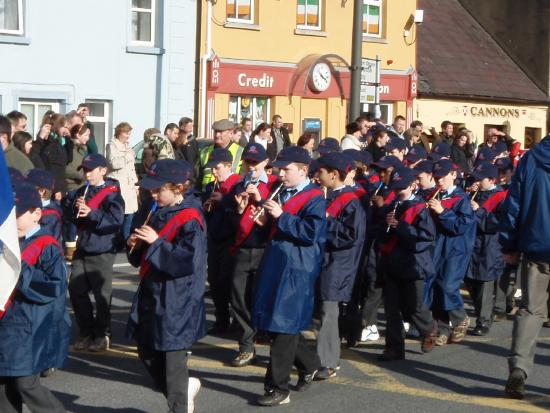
[
  {"x": 10, "y": 261},
  {"x": 308, "y": 12}
]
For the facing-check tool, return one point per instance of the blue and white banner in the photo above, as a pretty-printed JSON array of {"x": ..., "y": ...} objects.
[{"x": 10, "y": 259}]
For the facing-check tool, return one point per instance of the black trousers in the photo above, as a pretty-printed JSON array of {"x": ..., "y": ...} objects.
[
  {"x": 14, "y": 391},
  {"x": 288, "y": 350},
  {"x": 481, "y": 293},
  {"x": 170, "y": 375},
  {"x": 220, "y": 269},
  {"x": 403, "y": 300},
  {"x": 247, "y": 261},
  {"x": 373, "y": 299},
  {"x": 92, "y": 273}
]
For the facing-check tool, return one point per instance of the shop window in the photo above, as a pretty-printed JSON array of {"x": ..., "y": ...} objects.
[
  {"x": 143, "y": 22},
  {"x": 11, "y": 17},
  {"x": 240, "y": 11},
  {"x": 253, "y": 107},
  {"x": 308, "y": 15},
  {"x": 34, "y": 110},
  {"x": 372, "y": 18},
  {"x": 386, "y": 112},
  {"x": 531, "y": 137},
  {"x": 100, "y": 118}
]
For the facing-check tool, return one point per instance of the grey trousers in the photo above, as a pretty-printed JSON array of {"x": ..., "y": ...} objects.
[
  {"x": 14, "y": 391},
  {"x": 533, "y": 311},
  {"x": 328, "y": 339}
]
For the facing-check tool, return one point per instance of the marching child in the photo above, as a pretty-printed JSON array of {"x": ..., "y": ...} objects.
[
  {"x": 220, "y": 236},
  {"x": 426, "y": 183},
  {"x": 346, "y": 227},
  {"x": 168, "y": 313},
  {"x": 487, "y": 261},
  {"x": 98, "y": 213},
  {"x": 35, "y": 327},
  {"x": 51, "y": 219},
  {"x": 406, "y": 260},
  {"x": 250, "y": 242},
  {"x": 455, "y": 235},
  {"x": 285, "y": 290}
]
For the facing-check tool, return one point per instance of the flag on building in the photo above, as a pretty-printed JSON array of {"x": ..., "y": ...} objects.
[
  {"x": 10, "y": 261},
  {"x": 308, "y": 13}
]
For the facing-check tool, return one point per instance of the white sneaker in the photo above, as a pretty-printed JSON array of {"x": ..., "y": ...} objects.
[
  {"x": 370, "y": 333},
  {"x": 406, "y": 326},
  {"x": 192, "y": 390},
  {"x": 517, "y": 294}
]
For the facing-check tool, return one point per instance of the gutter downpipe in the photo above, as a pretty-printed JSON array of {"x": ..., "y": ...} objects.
[{"x": 204, "y": 61}]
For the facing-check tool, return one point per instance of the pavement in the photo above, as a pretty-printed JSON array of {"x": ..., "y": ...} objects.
[{"x": 456, "y": 378}]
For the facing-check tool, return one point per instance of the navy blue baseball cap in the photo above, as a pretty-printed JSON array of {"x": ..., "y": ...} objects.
[
  {"x": 504, "y": 164},
  {"x": 292, "y": 154},
  {"x": 485, "y": 154},
  {"x": 363, "y": 156},
  {"x": 415, "y": 154},
  {"x": 15, "y": 176},
  {"x": 254, "y": 152},
  {"x": 441, "y": 150},
  {"x": 388, "y": 161},
  {"x": 444, "y": 167},
  {"x": 167, "y": 171},
  {"x": 340, "y": 161},
  {"x": 484, "y": 170},
  {"x": 396, "y": 143},
  {"x": 41, "y": 178},
  {"x": 219, "y": 155},
  {"x": 26, "y": 197},
  {"x": 401, "y": 178},
  {"x": 328, "y": 145},
  {"x": 500, "y": 147},
  {"x": 424, "y": 166},
  {"x": 92, "y": 161}
]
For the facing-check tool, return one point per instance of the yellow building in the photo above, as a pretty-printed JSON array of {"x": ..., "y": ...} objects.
[{"x": 291, "y": 57}]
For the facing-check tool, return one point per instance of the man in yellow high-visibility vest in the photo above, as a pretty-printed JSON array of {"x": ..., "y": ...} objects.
[{"x": 223, "y": 132}]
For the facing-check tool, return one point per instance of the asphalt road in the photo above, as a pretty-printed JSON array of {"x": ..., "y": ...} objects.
[{"x": 456, "y": 378}]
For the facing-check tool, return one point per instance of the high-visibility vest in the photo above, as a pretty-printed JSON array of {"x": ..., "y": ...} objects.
[{"x": 235, "y": 150}]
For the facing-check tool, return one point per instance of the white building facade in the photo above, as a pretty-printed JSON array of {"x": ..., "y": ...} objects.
[{"x": 130, "y": 60}]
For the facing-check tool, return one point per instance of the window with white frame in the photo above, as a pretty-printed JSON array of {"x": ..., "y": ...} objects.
[
  {"x": 11, "y": 17},
  {"x": 386, "y": 111},
  {"x": 372, "y": 18},
  {"x": 35, "y": 110},
  {"x": 308, "y": 15},
  {"x": 255, "y": 108},
  {"x": 100, "y": 118},
  {"x": 240, "y": 11},
  {"x": 143, "y": 22}
]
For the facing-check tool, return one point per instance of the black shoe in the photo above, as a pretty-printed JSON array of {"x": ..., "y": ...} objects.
[
  {"x": 305, "y": 380},
  {"x": 273, "y": 398},
  {"x": 515, "y": 386},
  {"x": 481, "y": 330},
  {"x": 47, "y": 372},
  {"x": 546, "y": 324},
  {"x": 325, "y": 373},
  {"x": 391, "y": 355}
]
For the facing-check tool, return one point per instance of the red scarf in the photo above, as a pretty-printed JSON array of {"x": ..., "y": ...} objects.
[
  {"x": 389, "y": 198},
  {"x": 98, "y": 198},
  {"x": 46, "y": 212},
  {"x": 169, "y": 232},
  {"x": 295, "y": 204},
  {"x": 339, "y": 203},
  {"x": 30, "y": 255},
  {"x": 494, "y": 200},
  {"x": 408, "y": 216},
  {"x": 227, "y": 185},
  {"x": 246, "y": 223}
]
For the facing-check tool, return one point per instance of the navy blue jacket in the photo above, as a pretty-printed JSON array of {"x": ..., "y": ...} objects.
[
  {"x": 526, "y": 223},
  {"x": 343, "y": 249},
  {"x": 97, "y": 233},
  {"x": 412, "y": 256},
  {"x": 35, "y": 330},
  {"x": 285, "y": 288},
  {"x": 376, "y": 232},
  {"x": 168, "y": 311},
  {"x": 52, "y": 221},
  {"x": 454, "y": 241},
  {"x": 219, "y": 229},
  {"x": 487, "y": 262}
]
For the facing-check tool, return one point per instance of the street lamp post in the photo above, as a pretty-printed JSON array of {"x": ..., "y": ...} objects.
[{"x": 356, "y": 55}]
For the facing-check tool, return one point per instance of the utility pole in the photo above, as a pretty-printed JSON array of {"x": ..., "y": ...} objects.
[{"x": 356, "y": 56}]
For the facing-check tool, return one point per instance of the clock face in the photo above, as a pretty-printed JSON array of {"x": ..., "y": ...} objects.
[{"x": 321, "y": 77}]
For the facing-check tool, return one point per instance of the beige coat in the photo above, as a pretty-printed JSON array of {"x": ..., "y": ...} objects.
[{"x": 121, "y": 158}]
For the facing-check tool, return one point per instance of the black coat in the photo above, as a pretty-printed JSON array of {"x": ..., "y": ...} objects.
[
  {"x": 54, "y": 158},
  {"x": 272, "y": 147},
  {"x": 463, "y": 156}
]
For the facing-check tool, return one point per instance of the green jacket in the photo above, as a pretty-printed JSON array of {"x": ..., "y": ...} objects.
[
  {"x": 17, "y": 159},
  {"x": 206, "y": 173},
  {"x": 74, "y": 177}
]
